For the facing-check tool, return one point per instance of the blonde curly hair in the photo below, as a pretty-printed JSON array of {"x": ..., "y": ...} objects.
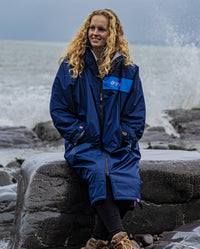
[{"x": 115, "y": 42}]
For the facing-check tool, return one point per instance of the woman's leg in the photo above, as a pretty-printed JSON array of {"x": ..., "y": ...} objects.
[
  {"x": 124, "y": 206},
  {"x": 109, "y": 213},
  {"x": 109, "y": 224},
  {"x": 100, "y": 231}
]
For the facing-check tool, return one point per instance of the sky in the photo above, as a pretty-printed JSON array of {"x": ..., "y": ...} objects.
[{"x": 144, "y": 21}]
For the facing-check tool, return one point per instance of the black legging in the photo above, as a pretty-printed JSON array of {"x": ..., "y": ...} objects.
[{"x": 109, "y": 215}]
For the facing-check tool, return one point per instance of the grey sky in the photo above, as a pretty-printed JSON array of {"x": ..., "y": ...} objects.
[{"x": 144, "y": 21}]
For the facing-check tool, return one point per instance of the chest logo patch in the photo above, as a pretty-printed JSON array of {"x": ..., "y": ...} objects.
[{"x": 118, "y": 84}]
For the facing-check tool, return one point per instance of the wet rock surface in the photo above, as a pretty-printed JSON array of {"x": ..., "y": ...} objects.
[
  {"x": 5, "y": 178},
  {"x": 53, "y": 206},
  {"x": 8, "y": 196},
  {"x": 47, "y": 132},
  {"x": 186, "y": 124},
  {"x": 18, "y": 137},
  {"x": 186, "y": 236},
  {"x": 48, "y": 200}
]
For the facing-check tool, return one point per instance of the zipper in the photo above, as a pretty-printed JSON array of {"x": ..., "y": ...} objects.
[
  {"x": 101, "y": 124},
  {"x": 101, "y": 114},
  {"x": 106, "y": 162}
]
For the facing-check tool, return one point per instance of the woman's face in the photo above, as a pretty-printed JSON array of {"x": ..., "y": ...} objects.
[{"x": 98, "y": 32}]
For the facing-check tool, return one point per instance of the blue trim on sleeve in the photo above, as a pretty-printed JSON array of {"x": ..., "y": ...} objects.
[{"x": 119, "y": 84}]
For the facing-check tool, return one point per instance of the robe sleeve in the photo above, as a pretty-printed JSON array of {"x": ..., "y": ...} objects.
[
  {"x": 62, "y": 107},
  {"x": 133, "y": 115}
]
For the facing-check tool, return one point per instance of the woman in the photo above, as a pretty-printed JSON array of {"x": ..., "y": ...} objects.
[{"x": 97, "y": 105}]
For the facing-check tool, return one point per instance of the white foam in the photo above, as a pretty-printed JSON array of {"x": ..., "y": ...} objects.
[
  {"x": 170, "y": 77},
  {"x": 3, "y": 244}
]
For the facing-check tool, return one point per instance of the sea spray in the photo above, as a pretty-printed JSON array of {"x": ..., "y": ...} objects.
[{"x": 170, "y": 77}]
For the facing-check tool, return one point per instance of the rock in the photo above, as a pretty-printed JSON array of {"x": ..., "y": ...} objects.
[
  {"x": 14, "y": 168},
  {"x": 47, "y": 132},
  {"x": 156, "y": 134},
  {"x": 53, "y": 204},
  {"x": 156, "y": 138},
  {"x": 16, "y": 164},
  {"x": 5, "y": 178},
  {"x": 144, "y": 239},
  {"x": 186, "y": 129},
  {"x": 186, "y": 122},
  {"x": 171, "y": 182},
  {"x": 7, "y": 209},
  {"x": 18, "y": 137},
  {"x": 154, "y": 218},
  {"x": 186, "y": 236}
]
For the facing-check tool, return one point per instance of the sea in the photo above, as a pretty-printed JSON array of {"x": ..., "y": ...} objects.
[{"x": 170, "y": 77}]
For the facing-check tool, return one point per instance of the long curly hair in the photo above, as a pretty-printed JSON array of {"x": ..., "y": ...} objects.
[{"x": 115, "y": 42}]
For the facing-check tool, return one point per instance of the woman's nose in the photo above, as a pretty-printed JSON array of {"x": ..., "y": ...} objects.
[{"x": 95, "y": 32}]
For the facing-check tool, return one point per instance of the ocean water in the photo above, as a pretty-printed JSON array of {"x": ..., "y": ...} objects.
[{"x": 170, "y": 77}]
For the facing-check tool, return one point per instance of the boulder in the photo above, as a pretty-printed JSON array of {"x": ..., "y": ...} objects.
[
  {"x": 171, "y": 182},
  {"x": 14, "y": 169},
  {"x": 156, "y": 138},
  {"x": 5, "y": 177},
  {"x": 186, "y": 122},
  {"x": 47, "y": 132},
  {"x": 185, "y": 236},
  {"x": 53, "y": 204},
  {"x": 18, "y": 138},
  {"x": 8, "y": 197},
  {"x": 170, "y": 190}
]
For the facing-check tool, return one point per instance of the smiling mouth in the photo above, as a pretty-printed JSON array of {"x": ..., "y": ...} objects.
[{"x": 96, "y": 39}]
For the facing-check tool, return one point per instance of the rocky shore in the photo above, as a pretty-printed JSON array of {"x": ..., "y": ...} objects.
[
  {"x": 184, "y": 135},
  {"x": 41, "y": 194},
  {"x": 53, "y": 210}
]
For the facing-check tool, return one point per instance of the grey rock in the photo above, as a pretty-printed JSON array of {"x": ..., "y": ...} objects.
[
  {"x": 152, "y": 134},
  {"x": 170, "y": 182},
  {"x": 192, "y": 211},
  {"x": 144, "y": 239},
  {"x": 186, "y": 122},
  {"x": 47, "y": 132},
  {"x": 157, "y": 138},
  {"x": 154, "y": 218},
  {"x": 8, "y": 197},
  {"x": 18, "y": 137},
  {"x": 185, "y": 236},
  {"x": 5, "y": 178},
  {"x": 53, "y": 207},
  {"x": 16, "y": 164},
  {"x": 14, "y": 169}
]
